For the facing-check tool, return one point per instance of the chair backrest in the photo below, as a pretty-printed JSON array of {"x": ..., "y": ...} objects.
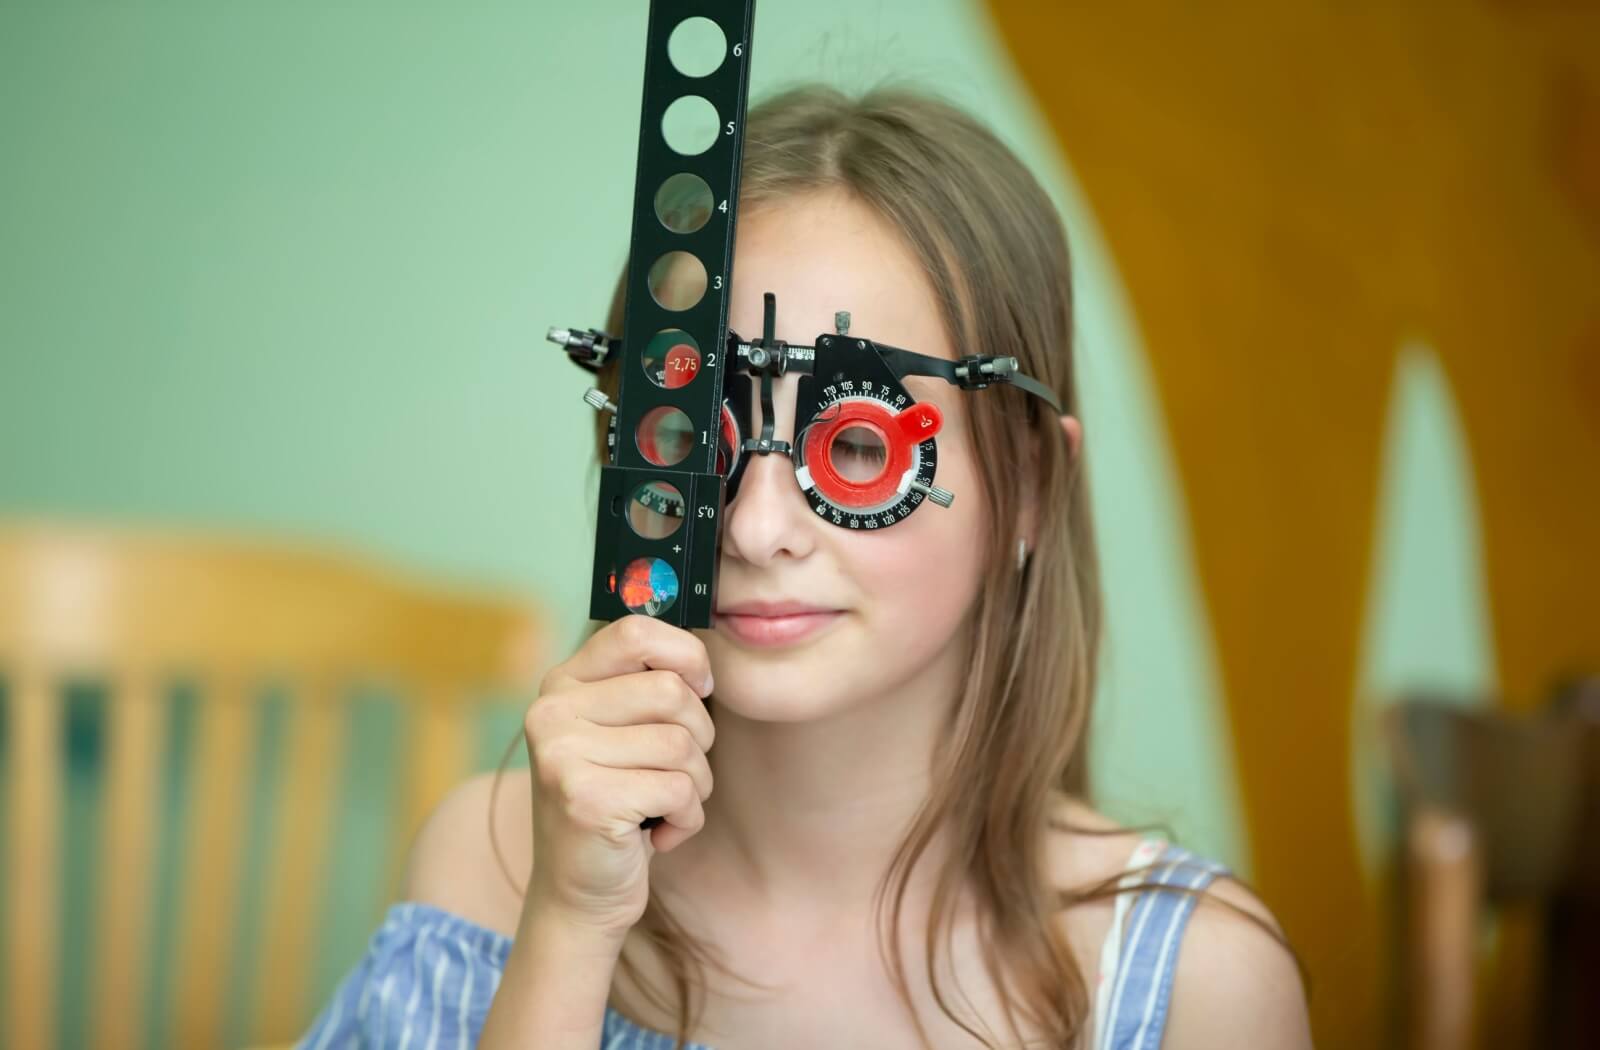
[
  {"x": 1499, "y": 810},
  {"x": 181, "y": 717},
  {"x": 1518, "y": 781}
]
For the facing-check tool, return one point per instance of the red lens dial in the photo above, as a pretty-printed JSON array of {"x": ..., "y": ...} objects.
[{"x": 835, "y": 450}]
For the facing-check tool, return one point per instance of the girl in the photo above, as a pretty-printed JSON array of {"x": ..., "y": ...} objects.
[{"x": 899, "y": 716}]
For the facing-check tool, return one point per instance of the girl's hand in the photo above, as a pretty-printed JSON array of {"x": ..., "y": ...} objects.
[{"x": 618, "y": 733}]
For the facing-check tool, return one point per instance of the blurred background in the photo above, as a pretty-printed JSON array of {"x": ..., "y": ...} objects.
[{"x": 293, "y": 494}]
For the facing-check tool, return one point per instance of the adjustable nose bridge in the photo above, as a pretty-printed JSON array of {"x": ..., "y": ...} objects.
[
  {"x": 775, "y": 464},
  {"x": 785, "y": 390},
  {"x": 769, "y": 514}
]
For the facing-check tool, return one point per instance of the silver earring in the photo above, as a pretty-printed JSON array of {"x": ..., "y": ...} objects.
[{"x": 1022, "y": 554}]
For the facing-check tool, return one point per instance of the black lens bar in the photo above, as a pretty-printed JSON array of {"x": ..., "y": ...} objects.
[{"x": 679, "y": 271}]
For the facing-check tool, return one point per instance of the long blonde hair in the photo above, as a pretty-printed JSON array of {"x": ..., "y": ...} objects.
[{"x": 995, "y": 253}]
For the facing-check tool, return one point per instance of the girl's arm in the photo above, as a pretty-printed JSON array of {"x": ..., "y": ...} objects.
[{"x": 553, "y": 993}]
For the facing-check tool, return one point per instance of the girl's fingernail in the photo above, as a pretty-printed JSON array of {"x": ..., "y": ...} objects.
[{"x": 711, "y": 683}]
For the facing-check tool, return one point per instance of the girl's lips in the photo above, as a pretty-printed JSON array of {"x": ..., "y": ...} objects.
[{"x": 775, "y": 630}]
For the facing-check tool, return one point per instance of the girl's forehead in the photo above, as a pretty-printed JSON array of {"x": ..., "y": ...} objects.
[{"x": 825, "y": 253}]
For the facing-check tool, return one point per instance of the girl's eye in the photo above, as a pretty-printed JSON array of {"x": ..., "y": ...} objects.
[
  {"x": 858, "y": 454},
  {"x": 869, "y": 453}
]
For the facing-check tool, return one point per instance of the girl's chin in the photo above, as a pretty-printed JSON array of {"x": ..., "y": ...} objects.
[{"x": 800, "y": 701}]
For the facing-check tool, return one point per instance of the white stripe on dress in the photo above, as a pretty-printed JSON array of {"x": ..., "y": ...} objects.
[
  {"x": 383, "y": 1006},
  {"x": 617, "y": 1030},
  {"x": 461, "y": 1013},
  {"x": 438, "y": 996},
  {"x": 1142, "y": 909},
  {"x": 416, "y": 993},
  {"x": 1144, "y": 853}
]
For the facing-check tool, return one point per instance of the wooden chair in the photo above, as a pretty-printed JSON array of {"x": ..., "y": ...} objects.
[
  {"x": 1498, "y": 811},
  {"x": 138, "y": 611}
]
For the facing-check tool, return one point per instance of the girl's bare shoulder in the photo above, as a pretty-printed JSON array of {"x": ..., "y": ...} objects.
[
  {"x": 1232, "y": 966},
  {"x": 454, "y": 865},
  {"x": 1085, "y": 847}
]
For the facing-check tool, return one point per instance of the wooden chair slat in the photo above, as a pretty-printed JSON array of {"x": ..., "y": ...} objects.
[
  {"x": 35, "y": 857},
  {"x": 135, "y": 752},
  {"x": 310, "y": 778},
  {"x": 223, "y": 760},
  {"x": 1448, "y": 867}
]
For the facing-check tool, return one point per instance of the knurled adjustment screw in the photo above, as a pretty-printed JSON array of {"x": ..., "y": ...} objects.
[
  {"x": 599, "y": 401},
  {"x": 943, "y": 497}
]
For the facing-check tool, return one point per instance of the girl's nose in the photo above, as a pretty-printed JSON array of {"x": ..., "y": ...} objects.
[{"x": 769, "y": 515}]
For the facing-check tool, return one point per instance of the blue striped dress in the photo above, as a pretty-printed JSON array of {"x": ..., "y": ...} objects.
[{"x": 428, "y": 976}]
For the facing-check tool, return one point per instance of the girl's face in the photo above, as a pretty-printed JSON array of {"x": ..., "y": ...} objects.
[{"x": 902, "y": 593}]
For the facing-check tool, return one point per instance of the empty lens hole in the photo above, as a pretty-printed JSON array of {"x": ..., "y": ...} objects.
[
  {"x": 677, "y": 280},
  {"x": 683, "y": 202},
  {"x": 690, "y": 125},
  {"x": 697, "y": 47}
]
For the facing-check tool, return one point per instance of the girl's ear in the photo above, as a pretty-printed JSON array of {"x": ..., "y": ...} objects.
[
  {"x": 1072, "y": 427},
  {"x": 1072, "y": 430}
]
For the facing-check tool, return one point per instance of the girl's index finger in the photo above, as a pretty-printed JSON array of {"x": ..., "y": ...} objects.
[{"x": 642, "y": 643}]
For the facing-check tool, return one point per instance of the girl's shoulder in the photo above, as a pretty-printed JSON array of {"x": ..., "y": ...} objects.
[
  {"x": 1185, "y": 955},
  {"x": 1085, "y": 847},
  {"x": 455, "y": 865}
]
